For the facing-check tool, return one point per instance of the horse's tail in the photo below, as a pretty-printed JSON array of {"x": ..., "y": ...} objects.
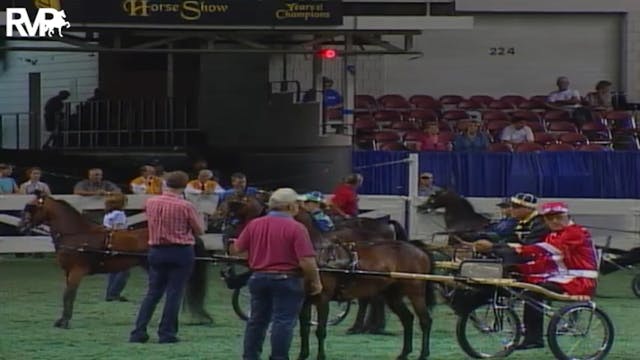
[
  {"x": 399, "y": 231},
  {"x": 196, "y": 291},
  {"x": 430, "y": 286}
]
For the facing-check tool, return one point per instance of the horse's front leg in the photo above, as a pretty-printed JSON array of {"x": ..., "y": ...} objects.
[
  {"x": 305, "y": 329},
  {"x": 358, "y": 325},
  {"x": 74, "y": 276},
  {"x": 321, "y": 328}
]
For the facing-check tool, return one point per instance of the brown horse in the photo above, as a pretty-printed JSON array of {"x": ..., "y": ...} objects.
[
  {"x": 377, "y": 255},
  {"x": 83, "y": 248}
]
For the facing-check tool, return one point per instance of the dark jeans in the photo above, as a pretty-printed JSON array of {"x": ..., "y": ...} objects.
[
  {"x": 116, "y": 283},
  {"x": 275, "y": 299},
  {"x": 534, "y": 318},
  {"x": 169, "y": 270}
]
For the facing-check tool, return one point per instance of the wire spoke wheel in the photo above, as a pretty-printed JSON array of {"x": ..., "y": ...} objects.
[
  {"x": 580, "y": 332},
  {"x": 488, "y": 331},
  {"x": 635, "y": 285}
]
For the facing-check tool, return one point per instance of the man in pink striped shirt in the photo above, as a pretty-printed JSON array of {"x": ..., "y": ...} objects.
[{"x": 173, "y": 223}]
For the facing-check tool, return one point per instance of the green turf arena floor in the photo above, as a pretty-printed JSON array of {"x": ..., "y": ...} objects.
[{"x": 30, "y": 298}]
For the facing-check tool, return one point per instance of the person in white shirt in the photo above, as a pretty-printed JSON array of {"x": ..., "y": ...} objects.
[
  {"x": 204, "y": 184},
  {"x": 116, "y": 219},
  {"x": 564, "y": 98},
  {"x": 517, "y": 133},
  {"x": 34, "y": 184}
]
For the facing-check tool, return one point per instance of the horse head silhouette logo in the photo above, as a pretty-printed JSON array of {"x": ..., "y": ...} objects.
[{"x": 57, "y": 22}]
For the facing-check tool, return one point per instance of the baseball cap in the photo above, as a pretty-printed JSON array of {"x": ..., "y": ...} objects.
[
  {"x": 554, "y": 208},
  {"x": 283, "y": 196},
  {"x": 314, "y": 196}
]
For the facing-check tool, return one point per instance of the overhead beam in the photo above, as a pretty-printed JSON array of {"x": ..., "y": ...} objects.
[{"x": 160, "y": 42}]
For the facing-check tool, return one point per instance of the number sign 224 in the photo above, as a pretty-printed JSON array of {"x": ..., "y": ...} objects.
[{"x": 502, "y": 51}]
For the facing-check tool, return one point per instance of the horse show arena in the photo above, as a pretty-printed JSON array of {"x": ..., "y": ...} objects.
[{"x": 30, "y": 294}]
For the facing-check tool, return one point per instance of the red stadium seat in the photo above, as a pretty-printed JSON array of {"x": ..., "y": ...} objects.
[
  {"x": 574, "y": 139},
  {"x": 425, "y": 102},
  {"x": 385, "y": 137},
  {"x": 532, "y": 105},
  {"x": 445, "y": 137},
  {"x": 413, "y": 145},
  {"x": 536, "y": 126},
  {"x": 544, "y": 138},
  {"x": 390, "y": 97},
  {"x": 560, "y": 147},
  {"x": 494, "y": 115},
  {"x": 365, "y": 102},
  {"x": 562, "y": 126},
  {"x": 403, "y": 126},
  {"x": 525, "y": 115},
  {"x": 469, "y": 105},
  {"x": 364, "y": 141},
  {"x": 444, "y": 126},
  {"x": 391, "y": 146},
  {"x": 514, "y": 100},
  {"x": 495, "y": 128},
  {"x": 365, "y": 124},
  {"x": 500, "y": 105},
  {"x": 485, "y": 100},
  {"x": 556, "y": 115},
  {"x": 597, "y": 132},
  {"x": 394, "y": 103},
  {"x": 620, "y": 121},
  {"x": 539, "y": 98},
  {"x": 420, "y": 98},
  {"x": 592, "y": 147},
  {"x": 451, "y": 100},
  {"x": 422, "y": 115},
  {"x": 414, "y": 135},
  {"x": 454, "y": 115},
  {"x": 386, "y": 117},
  {"x": 500, "y": 147},
  {"x": 529, "y": 147}
]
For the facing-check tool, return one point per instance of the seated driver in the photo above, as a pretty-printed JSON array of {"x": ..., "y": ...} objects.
[
  {"x": 313, "y": 202},
  {"x": 564, "y": 262}
]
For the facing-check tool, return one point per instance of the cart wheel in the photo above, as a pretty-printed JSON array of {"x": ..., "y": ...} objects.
[
  {"x": 241, "y": 302},
  {"x": 635, "y": 285},
  {"x": 580, "y": 331},
  {"x": 489, "y": 331}
]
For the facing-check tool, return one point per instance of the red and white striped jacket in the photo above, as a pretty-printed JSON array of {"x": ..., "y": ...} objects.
[{"x": 567, "y": 258}]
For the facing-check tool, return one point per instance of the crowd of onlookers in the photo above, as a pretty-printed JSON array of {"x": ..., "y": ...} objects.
[{"x": 483, "y": 123}]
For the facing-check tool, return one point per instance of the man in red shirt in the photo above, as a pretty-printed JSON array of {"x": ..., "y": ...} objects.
[
  {"x": 173, "y": 223},
  {"x": 345, "y": 199},
  {"x": 280, "y": 254},
  {"x": 564, "y": 262}
]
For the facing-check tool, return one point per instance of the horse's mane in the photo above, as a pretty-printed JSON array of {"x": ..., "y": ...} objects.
[{"x": 65, "y": 204}]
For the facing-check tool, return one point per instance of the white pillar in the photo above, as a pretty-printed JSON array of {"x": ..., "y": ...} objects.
[
  {"x": 412, "y": 214},
  {"x": 349, "y": 84}
]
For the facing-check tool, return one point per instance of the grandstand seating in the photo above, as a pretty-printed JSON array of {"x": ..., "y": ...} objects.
[{"x": 393, "y": 122}]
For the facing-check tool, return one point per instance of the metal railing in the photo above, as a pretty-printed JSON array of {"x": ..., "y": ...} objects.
[
  {"x": 284, "y": 87},
  {"x": 14, "y": 130},
  {"x": 136, "y": 123}
]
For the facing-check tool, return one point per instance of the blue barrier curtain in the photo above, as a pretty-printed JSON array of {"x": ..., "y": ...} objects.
[
  {"x": 547, "y": 174},
  {"x": 384, "y": 172}
]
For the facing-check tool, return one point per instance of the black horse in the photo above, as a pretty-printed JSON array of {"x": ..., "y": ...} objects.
[{"x": 459, "y": 216}]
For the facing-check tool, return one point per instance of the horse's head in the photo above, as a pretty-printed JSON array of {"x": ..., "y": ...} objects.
[
  {"x": 437, "y": 200},
  {"x": 35, "y": 212},
  {"x": 333, "y": 253},
  {"x": 240, "y": 207}
]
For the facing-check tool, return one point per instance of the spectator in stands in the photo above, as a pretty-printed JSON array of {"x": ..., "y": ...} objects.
[
  {"x": 471, "y": 139},
  {"x": 7, "y": 183},
  {"x": 204, "y": 184},
  {"x": 116, "y": 219},
  {"x": 53, "y": 115},
  {"x": 517, "y": 133},
  {"x": 147, "y": 182},
  {"x": 313, "y": 203},
  {"x": 344, "y": 201},
  {"x": 430, "y": 139},
  {"x": 564, "y": 98},
  {"x": 95, "y": 185},
  {"x": 425, "y": 185},
  {"x": 199, "y": 164},
  {"x": 34, "y": 184},
  {"x": 239, "y": 185},
  {"x": 330, "y": 97},
  {"x": 601, "y": 98}
]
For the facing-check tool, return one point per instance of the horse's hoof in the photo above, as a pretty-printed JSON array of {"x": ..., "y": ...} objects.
[{"x": 61, "y": 323}]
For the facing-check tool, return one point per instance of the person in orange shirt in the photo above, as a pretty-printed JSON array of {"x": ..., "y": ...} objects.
[
  {"x": 147, "y": 182},
  {"x": 204, "y": 184}
]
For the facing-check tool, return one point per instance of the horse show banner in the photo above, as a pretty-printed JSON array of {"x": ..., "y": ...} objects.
[{"x": 195, "y": 12}]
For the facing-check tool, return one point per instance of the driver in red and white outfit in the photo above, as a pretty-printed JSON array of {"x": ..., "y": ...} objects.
[{"x": 565, "y": 261}]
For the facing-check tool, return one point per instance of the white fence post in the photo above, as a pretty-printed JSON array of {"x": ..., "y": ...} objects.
[{"x": 414, "y": 169}]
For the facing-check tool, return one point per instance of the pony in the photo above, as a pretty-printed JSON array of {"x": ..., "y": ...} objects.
[
  {"x": 459, "y": 216},
  {"x": 379, "y": 255},
  {"x": 83, "y": 248}
]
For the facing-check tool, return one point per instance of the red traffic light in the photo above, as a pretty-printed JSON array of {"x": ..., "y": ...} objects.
[{"x": 328, "y": 53}]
